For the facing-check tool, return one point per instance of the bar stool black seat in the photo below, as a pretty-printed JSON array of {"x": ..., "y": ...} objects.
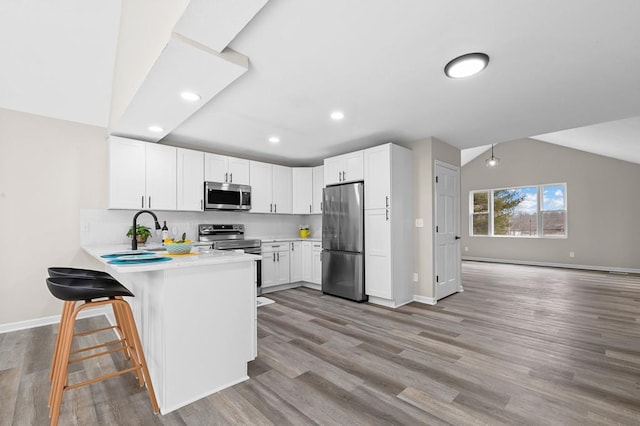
[
  {"x": 93, "y": 292},
  {"x": 78, "y": 273},
  {"x": 70, "y": 289}
]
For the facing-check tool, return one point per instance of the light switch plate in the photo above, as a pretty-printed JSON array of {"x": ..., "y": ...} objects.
[
  {"x": 415, "y": 277},
  {"x": 419, "y": 223}
]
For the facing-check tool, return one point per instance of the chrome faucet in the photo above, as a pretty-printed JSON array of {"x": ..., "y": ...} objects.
[{"x": 134, "y": 242}]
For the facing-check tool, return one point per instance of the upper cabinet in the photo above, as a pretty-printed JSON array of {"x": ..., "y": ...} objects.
[
  {"x": 190, "y": 176},
  {"x": 141, "y": 175},
  {"x": 302, "y": 190},
  {"x": 344, "y": 168},
  {"x": 221, "y": 168},
  {"x": 377, "y": 164},
  {"x": 271, "y": 188},
  {"x": 318, "y": 185}
]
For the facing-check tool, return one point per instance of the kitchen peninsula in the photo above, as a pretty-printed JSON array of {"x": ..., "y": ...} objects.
[{"x": 196, "y": 316}]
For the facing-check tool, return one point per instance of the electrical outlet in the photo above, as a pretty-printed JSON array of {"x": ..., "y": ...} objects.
[
  {"x": 419, "y": 223},
  {"x": 466, "y": 248},
  {"x": 572, "y": 254},
  {"x": 415, "y": 277}
]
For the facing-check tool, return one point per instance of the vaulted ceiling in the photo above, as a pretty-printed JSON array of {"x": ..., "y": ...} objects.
[{"x": 554, "y": 66}]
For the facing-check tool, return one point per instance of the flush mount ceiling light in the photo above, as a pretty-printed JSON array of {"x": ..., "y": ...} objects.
[
  {"x": 337, "y": 115},
  {"x": 190, "y": 96},
  {"x": 466, "y": 65},
  {"x": 155, "y": 129},
  {"x": 492, "y": 161},
  {"x": 274, "y": 139}
]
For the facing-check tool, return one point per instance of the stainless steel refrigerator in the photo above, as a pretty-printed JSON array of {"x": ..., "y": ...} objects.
[{"x": 343, "y": 241}]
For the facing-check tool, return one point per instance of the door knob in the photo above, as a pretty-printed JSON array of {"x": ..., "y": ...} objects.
[{"x": 457, "y": 237}]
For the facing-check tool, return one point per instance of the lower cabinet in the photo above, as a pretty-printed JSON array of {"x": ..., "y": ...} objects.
[
  {"x": 297, "y": 261},
  {"x": 316, "y": 262},
  {"x": 275, "y": 264}
]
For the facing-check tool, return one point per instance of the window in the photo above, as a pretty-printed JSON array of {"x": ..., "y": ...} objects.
[{"x": 527, "y": 211}]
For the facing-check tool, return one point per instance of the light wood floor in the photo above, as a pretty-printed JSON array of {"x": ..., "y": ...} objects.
[{"x": 521, "y": 345}]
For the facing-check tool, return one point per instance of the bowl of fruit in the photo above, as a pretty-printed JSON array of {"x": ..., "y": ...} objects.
[{"x": 181, "y": 246}]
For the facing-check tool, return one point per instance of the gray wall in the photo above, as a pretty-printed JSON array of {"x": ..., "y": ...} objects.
[{"x": 603, "y": 206}]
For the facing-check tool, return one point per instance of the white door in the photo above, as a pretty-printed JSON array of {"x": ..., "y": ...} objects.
[
  {"x": 268, "y": 270},
  {"x": 377, "y": 249},
  {"x": 316, "y": 263},
  {"x": 190, "y": 180},
  {"x": 447, "y": 253},
  {"x": 161, "y": 177},
  {"x": 281, "y": 189},
  {"x": 333, "y": 168},
  {"x": 215, "y": 168},
  {"x": 377, "y": 175},
  {"x": 282, "y": 267},
  {"x": 318, "y": 185},
  {"x": 296, "y": 261},
  {"x": 307, "y": 262},
  {"x": 302, "y": 190},
  {"x": 238, "y": 171},
  {"x": 354, "y": 166},
  {"x": 261, "y": 187},
  {"x": 126, "y": 173}
]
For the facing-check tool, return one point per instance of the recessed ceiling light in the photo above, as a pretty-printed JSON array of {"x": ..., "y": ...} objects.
[
  {"x": 155, "y": 129},
  {"x": 337, "y": 115},
  {"x": 190, "y": 96},
  {"x": 466, "y": 65},
  {"x": 274, "y": 139}
]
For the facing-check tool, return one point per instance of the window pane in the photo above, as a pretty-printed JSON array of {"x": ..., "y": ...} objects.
[
  {"x": 553, "y": 197},
  {"x": 515, "y": 211},
  {"x": 480, "y": 202},
  {"x": 554, "y": 223},
  {"x": 480, "y": 224}
]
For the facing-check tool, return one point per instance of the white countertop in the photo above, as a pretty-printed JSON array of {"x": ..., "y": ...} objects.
[
  {"x": 280, "y": 239},
  {"x": 218, "y": 257}
]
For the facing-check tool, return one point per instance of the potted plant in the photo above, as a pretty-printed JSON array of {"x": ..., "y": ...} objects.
[{"x": 142, "y": 233}]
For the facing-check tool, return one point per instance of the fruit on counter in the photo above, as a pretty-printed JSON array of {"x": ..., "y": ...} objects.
[{"x": 183, "y": 240}]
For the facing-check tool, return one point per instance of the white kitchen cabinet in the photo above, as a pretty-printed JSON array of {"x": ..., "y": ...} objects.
[
  {"x": 275, "y": 264},
  {"x": 307, "y": 259},
  {"x": 190, "y": 178},
  {"x": 344, "y": 168},
  {"x": 224, "y": 169},
  {"x": 141, "y": 175},
  {"x": 318, "y": 185},
  {"x": 377, "y": 188},
  {"x": 296, "y": 256},
  {"x": 302, "y": 194},
  {"x": 316, "y": 263},
  {"x": 271, "y": 187},
  {"x": 388, "y": 225}
]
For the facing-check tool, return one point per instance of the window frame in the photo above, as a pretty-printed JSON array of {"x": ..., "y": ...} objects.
[{"x": 539, "y": 211}]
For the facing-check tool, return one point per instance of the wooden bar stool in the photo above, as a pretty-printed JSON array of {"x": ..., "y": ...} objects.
[
  {"x": 93, "y": 292},
  {"x": 67, "y": 272}
]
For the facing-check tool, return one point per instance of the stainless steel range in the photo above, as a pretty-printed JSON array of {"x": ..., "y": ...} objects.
[{"x": 231, "y": 237}]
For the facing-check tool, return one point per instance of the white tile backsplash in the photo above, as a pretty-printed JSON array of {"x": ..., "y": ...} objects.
[{"x": 98, "y": 227}]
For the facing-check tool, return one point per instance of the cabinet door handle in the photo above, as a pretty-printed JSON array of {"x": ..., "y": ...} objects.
[
  {"x": 274, "y": 257},
  {"x": 226, "y": 177},
  {"x": 231, "y": 177},
  {"x": 271, "y": 208},
  {"x": 278, "y": 256},
  {"x": 149, "y": 201},
  {"x": 275, "y": 208},
  {"x": 142, "y": 201},
  {"x": 293, "y": 248},
  {"x": 320, "y": 205},
  {"x": 386, "y": 201},
  {"x": 201, "y": 205},
  {"x": 309, "y": 208},
  {"x": 387, "y": 215}
]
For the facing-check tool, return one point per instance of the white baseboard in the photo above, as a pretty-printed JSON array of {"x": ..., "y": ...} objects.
[
  {"x": 554, "y": 265},
  {"x": 424, "y": 299},
  {"x": 54, "y": 319}
]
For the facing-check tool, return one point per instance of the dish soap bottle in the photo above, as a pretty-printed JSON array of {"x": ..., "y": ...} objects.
[{"x": 165, "y": 232}]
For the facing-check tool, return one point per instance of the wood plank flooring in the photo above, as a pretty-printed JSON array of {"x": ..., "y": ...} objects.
[{"x": 521, "y": 345}]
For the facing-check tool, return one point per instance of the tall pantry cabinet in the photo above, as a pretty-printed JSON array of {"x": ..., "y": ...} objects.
[{"x": 388, "y": 200}]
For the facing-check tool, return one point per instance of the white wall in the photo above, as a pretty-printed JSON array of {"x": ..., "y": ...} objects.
[
  {"x": 49, "y": 170},
  {"x": 603, "y": 206},
  {"x": 425, "y": 153}
]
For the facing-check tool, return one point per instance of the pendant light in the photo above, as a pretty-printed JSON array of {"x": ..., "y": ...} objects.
[{"x": 492, "y": 161}]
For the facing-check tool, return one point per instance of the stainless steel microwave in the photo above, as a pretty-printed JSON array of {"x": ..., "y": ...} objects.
[{"x": 226, "y": 196}]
